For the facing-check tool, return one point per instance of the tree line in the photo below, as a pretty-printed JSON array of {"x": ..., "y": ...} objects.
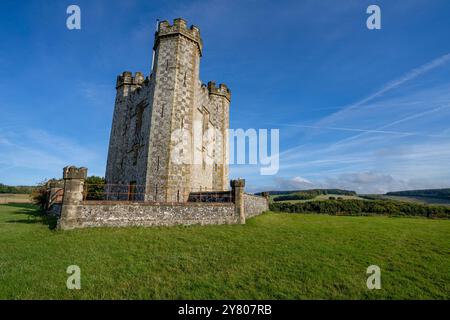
[
  {"x": 363, "y": 207},
  {"x": 15, "y": 189},
  {"x": 432, "y": 193}
]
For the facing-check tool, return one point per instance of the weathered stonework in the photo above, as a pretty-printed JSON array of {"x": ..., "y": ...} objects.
[
  {"x": 73, "y": 195},
  {"x": 77, "y": 213},
  {"x": 149, "y": 110},
  {"x": 106, "y": 214},
  {"x": 254, "y": 205},
  {"x": 238, "y": 198}
]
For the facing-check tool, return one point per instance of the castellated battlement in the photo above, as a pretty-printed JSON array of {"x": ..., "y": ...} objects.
[
  {"x": 221, "y": 90},
  {"x": 72, "y": 172},
  {"x": 179, "y": 26},
  {"x": 127, "y": 78}
]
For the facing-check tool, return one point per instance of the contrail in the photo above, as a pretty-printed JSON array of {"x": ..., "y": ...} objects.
[
  {"x": 414, "y": 73},
  {"x": 417, "y": 115},
  {"x": 366, "y": 130}
]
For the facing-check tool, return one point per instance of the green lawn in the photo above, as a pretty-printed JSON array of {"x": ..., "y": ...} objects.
[{"x": 273, "y": 256}]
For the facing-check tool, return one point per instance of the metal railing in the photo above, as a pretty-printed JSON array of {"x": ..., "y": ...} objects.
[{"x": 142, "y": 193}]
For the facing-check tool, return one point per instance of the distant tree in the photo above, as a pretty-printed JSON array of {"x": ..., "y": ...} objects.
[
  {"x": 39, "y": 194},
  {"x": 95, "y": 188},
  {"x": 430, "y": 193},
  {"x": 15, "y": 189}
]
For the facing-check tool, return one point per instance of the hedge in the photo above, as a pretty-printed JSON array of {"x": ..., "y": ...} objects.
[{"x": 363, "y": 207}]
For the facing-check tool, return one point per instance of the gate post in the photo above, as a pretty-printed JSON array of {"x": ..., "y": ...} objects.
[
  {"x": 237, "y": 191},
  {"x": 73, "y": 195},
  {"x": 266, "y": 196}
]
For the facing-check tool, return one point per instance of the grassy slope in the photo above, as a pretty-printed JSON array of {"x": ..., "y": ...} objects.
[
  {"x": 416, "y": 199},
  {"x": 272, "y": 256},
  {"x": 17, "y": 198},
  {"x": 322, "y": 197}
]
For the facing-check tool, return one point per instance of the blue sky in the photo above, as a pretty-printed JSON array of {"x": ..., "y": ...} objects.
[{"x": 357, "y": 109}]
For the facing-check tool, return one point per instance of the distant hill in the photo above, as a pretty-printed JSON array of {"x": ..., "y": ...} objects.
[
  {"x": 322, "y": 191},
  {"x": 427, "y": 193},
  {"x": 308, "y": 194}
]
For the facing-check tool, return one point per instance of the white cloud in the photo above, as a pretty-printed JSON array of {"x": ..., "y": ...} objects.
[
  {"x": 35, "y": 154},
  {"x": 367, "y": 182},
  {"x": 295, "y": 183}
]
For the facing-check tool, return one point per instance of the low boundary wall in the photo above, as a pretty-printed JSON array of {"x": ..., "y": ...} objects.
[
  {"x": 77, "y": 213},
  {"x": 254, "y": 205},
  {"x": 120, "y": 214}
]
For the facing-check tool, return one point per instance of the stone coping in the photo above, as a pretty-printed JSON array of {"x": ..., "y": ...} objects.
[{"x": 253, "y": 195}]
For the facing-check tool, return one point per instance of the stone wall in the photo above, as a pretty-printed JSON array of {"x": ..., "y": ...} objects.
[
  {"x": 77, "y": 213},
  {"x": 120, "y": 214},
  {"x": 254, "y": 205}
]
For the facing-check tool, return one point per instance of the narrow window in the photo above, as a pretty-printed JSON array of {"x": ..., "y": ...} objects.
[
  {"x": 139, "y": 116},
  {"x": 135, "y": 154},
  {"x": 162, "y": 111},
  {"x": 132, "y": 191}
]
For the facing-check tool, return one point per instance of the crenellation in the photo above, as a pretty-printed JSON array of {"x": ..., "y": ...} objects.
[
  {"x": 221, "y": 90},
  {"x": 179, "y": 27},
  {"x": 72, "y": 172},
  {"x": 127, "y": 78}
]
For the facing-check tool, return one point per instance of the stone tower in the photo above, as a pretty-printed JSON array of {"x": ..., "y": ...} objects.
[{"x": 169, "y": 134}]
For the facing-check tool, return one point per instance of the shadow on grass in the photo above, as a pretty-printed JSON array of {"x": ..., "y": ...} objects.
[{"x": 34, "y": 215}]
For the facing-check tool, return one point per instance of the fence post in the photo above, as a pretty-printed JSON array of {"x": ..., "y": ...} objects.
[
  {"x": 54, "y": 188},
  {"x": 237, "y": 191},
  {"x": 266, "y": 195},
  {"x": 73, "y": 195}
]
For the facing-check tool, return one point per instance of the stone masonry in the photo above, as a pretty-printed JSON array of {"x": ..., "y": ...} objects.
[
  {"x": 149, "y": 111},
  {"x": 78, "y": 213},
  {"x": 168, "y": 150}
]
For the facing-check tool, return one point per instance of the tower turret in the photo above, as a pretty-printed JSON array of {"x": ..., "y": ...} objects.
[
  {"x": 221, "y": 90},
  {"x": 179, "y": 27},
  {"x": 126, "y": 84}
]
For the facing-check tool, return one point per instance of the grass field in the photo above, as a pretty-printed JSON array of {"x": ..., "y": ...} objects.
[
  {"x": 273, "y": 256},
  {"x": 422, "y": 200},
  {"x": 14, "y": 198}
]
